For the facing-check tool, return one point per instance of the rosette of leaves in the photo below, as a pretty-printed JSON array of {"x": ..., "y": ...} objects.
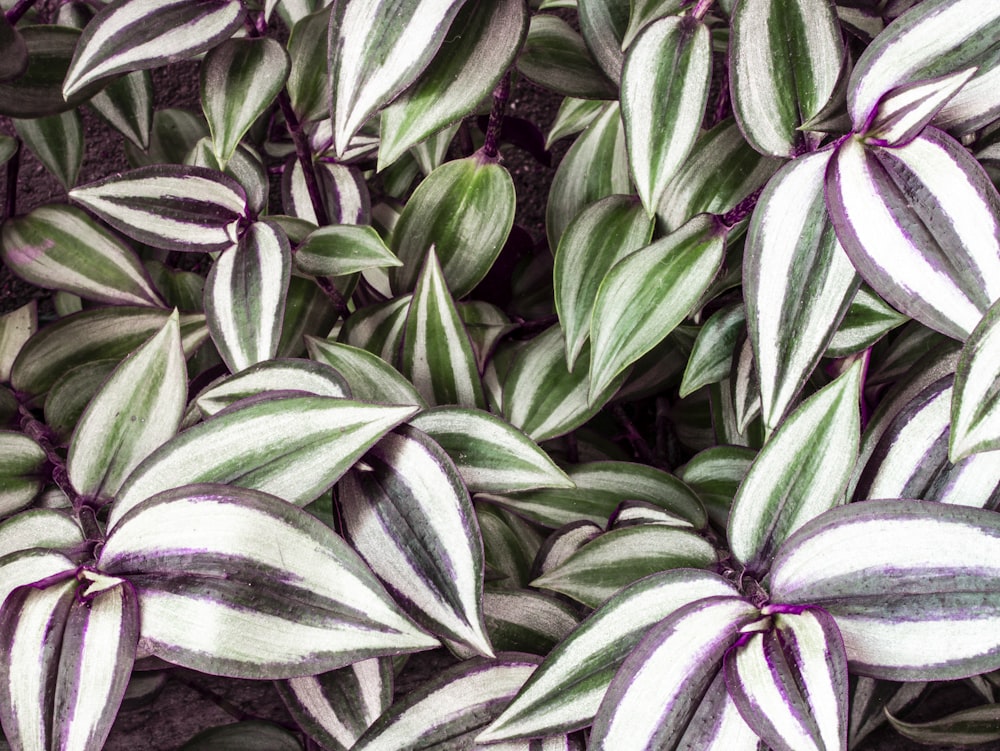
[{"x": 717, "y": 469}]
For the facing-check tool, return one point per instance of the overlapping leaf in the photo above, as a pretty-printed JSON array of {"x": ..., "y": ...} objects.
[
  {"x": 22, "y": 462},
  {"x": 556, "y": 57},
  {"x": 127, "y": 104},
  {"x": 57, "y": 141},
  {"x": 975, "y": 421},
  {"x": 272, "y": 375}
]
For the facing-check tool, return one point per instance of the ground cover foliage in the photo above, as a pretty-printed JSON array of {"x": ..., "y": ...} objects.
[{"x": 714, "y": 465}]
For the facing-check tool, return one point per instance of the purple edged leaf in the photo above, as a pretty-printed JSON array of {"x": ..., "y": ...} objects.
[
  {"x": 343, "y": 192},
  {"x": 31, "y": 564}
]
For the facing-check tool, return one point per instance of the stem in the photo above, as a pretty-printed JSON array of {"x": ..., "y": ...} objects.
[
  {"x": 536, "y": 324},
  {"x": 20, "y": 8},
  {"x": 500, "y": 96},
  {"x": 634, "y": 437},
  {"x": 304, "y": 154},
  {"x": 339, "y": 304},
  {"x": 13, "y": 168},
  {"x": 701, "y": 8},
  {"x": 41, "y": 434},
  {"x": 741, "y": 210}
]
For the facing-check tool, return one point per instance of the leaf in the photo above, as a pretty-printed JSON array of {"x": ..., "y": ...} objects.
[
  {"x": 523, "y": 620},
  {"x": 664, "y": 92},
  {"x": 343, "y": 249},
  {"x": 935, "y": 39},
  {"x": 789, "y": 680},
  {"x": 600, "y": 236},
  {"x": 911, "y": 585},
  {"x": 410, "y": 517},
  {"x": 272, "y": 615},
  {"x": 57, "y": 141},
  {"x": 132, "y": 35},
  {"x": 245, "y": 296},
  {"x": 137, "y": 409},
  {"x": 573, "y": 116},
  {"x": 871, "y": 700},
  {"x": 60, "y": 247},
  {"x": 279, "y": 445},
  {"x": 14, "y": 61},
  {"x": 127, "y": 105},
  {"x": 617, "y": 558},
  {"x": 649, "y": 293},
  {"x": 717, "y": 724},
  {"x": 72, "y": 392},
  {"x": 785, "y": 59},
  {"x": 656, "y": 692},
  {"x": 797, "y": 282},
  {"x": 972, "y": 726},
  {"x": 377, "y": 48},
  {"x": 975, "y": 422},
  {"x": 712, "y": 354},
  {"x": 555, "y": 57},
  {"x": 16, "y": 327},
  {"x": 450, "y": 708},
  {"x": 273, "y": 375},
  {"x": 867, "y": 320},
  {"x": 477, "y": 51},
  {"x": 342, "y": 189},
  {"x": 510, "y": 545},
  {"x": 308, "y": 83},
  {"x": 169, "y": 207},
  {"x": 22, "y": 462},
  {"x": 240, "y": 78},
  {"x": 919, "y": 222},
  {"x": 246, "y": 735},
  {"x": 40, "y": 528},
  {"x": 645, "y": 12},
  {"x": 371, "y": 378},
  {"x": 801, "y": 472},
  {"x": 335, "y": 708},
  {"x": 464, "y": 211},
  {"x": 378, "y": 328},
  {"x": 174, "y": 134},
  {"x": 603, "y": 24}
]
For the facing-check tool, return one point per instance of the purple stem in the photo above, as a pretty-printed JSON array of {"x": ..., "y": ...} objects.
[
  {"x": 304, "y": 154},
  {"x": 41, "y": 434},
  {"x": 701, "y": 8},
  {"x": 742, "y": 210},
  {"x": 20, "y": 8},
  {"x": 634, "y": 437},
  {"x": 501, "y": 94},
  {"x": 339, "y": 304}
]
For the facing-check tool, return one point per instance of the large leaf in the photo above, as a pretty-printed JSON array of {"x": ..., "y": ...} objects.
[
  {"x": 293, "y": 446},
  {"x": 664, "y": 91},
  {"x": 225, "y": 595},
  {"x": 912, "y": 585},
  {"x": 975, "y": 419},
  {"x": 921, "y": 223},
  {"x": 410, "y": 517},
  {"x": 132, "y": 35},
  {"x": 377, "y": 48}
]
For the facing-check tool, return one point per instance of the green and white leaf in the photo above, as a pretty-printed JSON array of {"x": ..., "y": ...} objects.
[
  {"x": 127, "y": 105},
  {"x": 308, "y": 84},
  {"x": 715, "y": 475},
  {"x": 371, "y": 378},
  {"x": 378, "y": 328},
  {"x": 523, "y": 620},
  {"x": 573, "y": 116},
  {"x": 343, "y": 249},
  {"x": 16, "y": 328},
  {"x": 22, "y": 464},
  {"x": 867, "y": 320},
  {"x": 273, "y": 375},
  {"x": 711, "y": 357},
  {"x": 57, "y": 141},
  {"x": 555, "y": 57},
  {"x": 36, "y": 93},
  {"x": 645, "y": 12},
  {"x": 40, "y": 528},
  {"x": 975, "y": 405},
  {"x": 32, "y": 565}
]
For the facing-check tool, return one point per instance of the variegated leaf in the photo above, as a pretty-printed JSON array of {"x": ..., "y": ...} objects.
[
  {"x": 717, "y": 724},
  {"x": 437, "y": 354},
  {"x": 522, "y": 620},
  {"x": 377, "y": 48},
  {"x": 40, "y": 528},
  {"x": 649, "y": 293},
  {"x": 129, "y": 35},
  {"x": 492, "y": 456},
  {"x": 566, "y": 690},
  {"x": 174, "y": 133},
  {"x": 72, "y": 392},
  {"x": 603, "y": 24},
  {"x": 556, "y": 57},
  {"x": 789, "y": 680},
  {"x": 801, "y": 472},
  {"x": 342, "y": 189},
  {"x": 379, "y": 328},
  {"x": 645, "y": 12},
  {"x": 656, "y": 692},
  {"x": 510, "y": 545},
  {"x": 920, "y": 223},
  {"x": 269, "y": 614},
  {"x": 60, "y": 247},
  {"x": 137, "y": 409},
  {"x": 127, "y": 105},
  {"x": 57, "y": 141},
  {"x": 573, "y": 116},
  {"x": 370, "y": 377},
  {"x": 562, "y": 543},
  {"x": 245, "y": 296},
  {"x": 408, "y": 514},
  {"x": 599, "y": 237},
  {"x": 664, "y": 91},
  {"x": 912, "y": 585},
  {"x": 16, "y": 327},
  {"x": 798, "y": 283},
  {"x": 169, "y": 207},
  {"x": 479, "y": 48},
  {"x": 22, "y": 465},
  {"x": 308, "y": 83},
  {"x": 786, "y": 57},
  {"x": 280, "y": 445},
  {"x": 867, "y": 320},
  {"x": 715, "y": 475},
  {"x": 239, "y": 80},
  {"x": 967, "y": 726},
  {"x": 975, "y": 405},
  {"x": 343, "y": 249},
  {"x": 31, "y": 566},
  {"x": 273, "y": 375},
  {"x": 712, "y": 355}
]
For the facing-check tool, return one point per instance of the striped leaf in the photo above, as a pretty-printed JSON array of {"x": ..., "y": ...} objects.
[
  {"x": 645, "y": 12},
  {"x": 246, "y": 735},
  {"x": 967, "y": 726},
  {"x": 712, "y": 355},
  {"x": 245, "y": 166},
  {"x": 377, "y": 48},
  {"x": 308, "y": 83},
  {"x": 717, "y": 724},
  {"x": 169, "y": 207},
  {"x": 464, "y": 211},
  {"x": 789, "y": 680},
  {"x": 664, "y": 91},
  {"x": 646, "y": 295},
  {"x": 935, "y": 39},
  {"x": 510, "y": 545},
  {"x": 30, "y": 566},
  {"x": 239, "y": 80},
  {"x": 245, "y": 296},
  {"x": 40, "y": 528},
  {"x": 798, "y": 283},
  {"x": 477, "y": 51},
  {"x": 57, "y": 141},
  {"x": 295, "y": 447},
  {"x": 600, "y": 236},
  {"x": 137, "y": 409},
  {"x": 867, "y": 320},
  {"x": 132, "y": 35},
  {"x": 920, "y": 223},
  {"x": 486, "y": 325},
  {"x": 97, "y": 334},
  {"x": 60, "y": 247},
  {"x": 127, "y": 105},
  {"x": 801, "y": 472},
  {"x": 371, "y": 378},
  {"x": 22, "y": 477},
  {"x": 410, "y": 517},
  {"x": 273, "y": 375},
  {"x": 449, "y": 710},
  {"x": 72, "y": 392},
  {"x": 975, "y": 420},
  {"x": 603, "y": 24},
  {"x": 437, "y": 354},
  {"x": 562, "y": 543},
  {"x": 715, "y": 475},
  {"x": 174, "y": 134},
  {"x": 16, "y": 327},
  {"x": 555, "y": 57},
  {"x": 566, "y": 690},
  {"x": 335, "y": 708},
  {"x": 491, "y": 455},
  {"x": 785, "y": 60},
  {"x": 656, "y": 692},
  {"x": 617, "y": 558},
  {"x": 573, "y": 116},
  {"x": 285, "y": 596},
  {"x": 343, "y": 249},
  {"x": 36, "y": 93},
  {"x": 307, "y": 309},
  {"x": 600, "y": 487},
  {"x": 522, "y": 620},
  {"x": 378, "y": 328},
  {"x": 912, "y": 585}
]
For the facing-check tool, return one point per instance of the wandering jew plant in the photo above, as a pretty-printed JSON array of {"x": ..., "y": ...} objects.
[{"x": 717, "y": 469}]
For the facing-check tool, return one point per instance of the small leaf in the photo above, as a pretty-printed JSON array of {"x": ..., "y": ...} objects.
[
  {"x": 343, "y": 249},
  {"x": 967, "y": 726},
  {"x": 272, "y": 375},
  {"x": 715, "y": 475},
  {"x": 371, "y": 378},
  {"x": 975, "y": 420},
  {"x": 14, "y": 57},
  {"x": 573, "y": 116},
  {"x": 555, "y": 57},
  {"x": 127, "y": 104},
  {"x": 712, "y": 354},
  {"x": 247, "y": 735},
  {"x": 57, "y": 141},
  {"x": 523, "y": 620},
  {"x": 22, "y": 462},
  {"x": 867, "y": 320},
  {"x": 379, "y": 328}
]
